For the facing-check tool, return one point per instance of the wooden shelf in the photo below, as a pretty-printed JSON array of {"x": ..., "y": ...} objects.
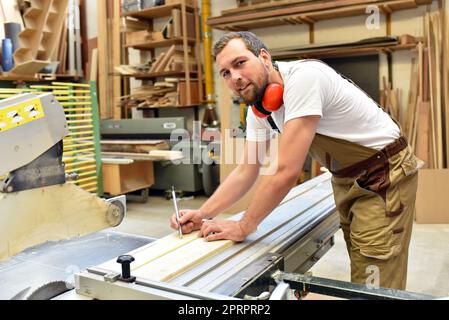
[
  {"x": 181, "y": 51},
  {"x": 306, "y": 13},
  {"x": 356, "y": 48},
  {"x": 156, "y": 12},
  {"x": 160, "y": 44},
  {"x": 17, "y": 77},
  {"x": 32, "y": 12},
  {"x": 5, "y": 76},
  {"x": 172, "y": 107},
  {"x": 156, "y": 75}
]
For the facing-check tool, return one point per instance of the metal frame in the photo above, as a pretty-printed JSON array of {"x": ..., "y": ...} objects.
[{"x": 346, "y": 290}]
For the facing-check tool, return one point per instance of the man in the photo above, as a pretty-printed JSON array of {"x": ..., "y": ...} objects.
[{"x": 374, "y": 171}]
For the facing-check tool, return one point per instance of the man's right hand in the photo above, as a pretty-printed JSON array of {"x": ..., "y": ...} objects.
[{"x": 190, "y": 220}]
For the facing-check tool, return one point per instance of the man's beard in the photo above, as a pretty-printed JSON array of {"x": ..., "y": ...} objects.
[
  {"x": 257, "y": 92},
  {"x": 256, "y": 95}
]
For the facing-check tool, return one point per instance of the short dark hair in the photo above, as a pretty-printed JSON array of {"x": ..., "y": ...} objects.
[{"x": 252, "y": 42}]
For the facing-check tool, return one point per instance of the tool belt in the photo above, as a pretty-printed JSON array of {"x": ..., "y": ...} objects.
[{"x": 373, "y": 173}]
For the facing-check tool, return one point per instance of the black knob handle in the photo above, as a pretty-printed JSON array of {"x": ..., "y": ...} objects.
[{"x": 125, "y": 261}]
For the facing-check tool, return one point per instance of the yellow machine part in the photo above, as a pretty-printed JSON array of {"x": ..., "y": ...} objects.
[{"x": 54, "y": 213}]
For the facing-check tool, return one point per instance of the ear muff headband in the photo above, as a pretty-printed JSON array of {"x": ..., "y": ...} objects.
[{"x": 272, "y": 101}]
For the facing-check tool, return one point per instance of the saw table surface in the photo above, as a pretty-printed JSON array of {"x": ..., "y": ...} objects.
[
  {"x": 300, "y": 229},
  {"x": 54, "y": 261}
]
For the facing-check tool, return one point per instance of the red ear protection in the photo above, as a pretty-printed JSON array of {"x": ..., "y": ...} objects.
[{"x": 272, "y": 101}]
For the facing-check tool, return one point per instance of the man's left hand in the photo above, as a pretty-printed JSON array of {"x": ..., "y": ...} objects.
[{"x": 213, "y": 230}]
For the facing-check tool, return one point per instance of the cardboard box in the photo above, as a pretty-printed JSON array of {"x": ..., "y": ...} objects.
[{"x": 432, "y": 201}]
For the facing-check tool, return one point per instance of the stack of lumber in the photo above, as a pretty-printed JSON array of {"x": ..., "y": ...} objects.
[
  {"x": 159, "y": 94},
  {"x": 172, "y": 92},
  {"x": 391, "y": 98},
  {"x": 172, "y": 60},
  {"x": 427, "y": 124}
]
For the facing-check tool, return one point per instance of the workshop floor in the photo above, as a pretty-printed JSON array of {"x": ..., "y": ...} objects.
[{"x": 428, "y": 260}]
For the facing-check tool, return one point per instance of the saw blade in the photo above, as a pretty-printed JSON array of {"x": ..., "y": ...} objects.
[{"x": 46, "y": 292}]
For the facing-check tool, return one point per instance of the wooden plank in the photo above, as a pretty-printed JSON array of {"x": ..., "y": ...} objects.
[
  {"x": 78, "y": 42},
  {"x": 445, "y": 36},
  {"x": 159, "y": 43},
  {"x": 163, "y": 61},
  {"x": 30, "y": 68},
  {"x": 103, "y": 59},
  {"x": 438, "y": 111},
  {"x": 153, "y": 251},
  {"x": 172, "y": 264},
  {"x": 116, "y": 60},
  {"x": 122, "y": 161},
  {"x": 411, "y": 110},
  {"x": 154, "y": 155},
  {"x": 134, "y": 147},
  {"x": 84, "y": 39},
  {"x": 156, "y": 63},
  {"x": 263, "y": 6},
  {"x": 425, "y": 75},
  {"x": 71, "y": 39},
  {"x": 169, "y": 257},
  {"x": 62, "y": 56},
  {"x": 176, "y": 15},
  {"x": 423, "y": 127},
  {"x": 93, "y": 74},
  {"x": 199, "y": 60},
  {"x": 420, "y": 70},
  {"x": 136, "y": 142},
  {"x": 186, "y": 53},
  {"x": 432, "y": 71}
]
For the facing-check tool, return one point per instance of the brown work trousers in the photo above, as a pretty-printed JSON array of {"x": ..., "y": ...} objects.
[{"x": 375, "y": 194}]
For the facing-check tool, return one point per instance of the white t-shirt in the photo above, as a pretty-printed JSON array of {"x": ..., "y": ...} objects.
[{"x": 313, "y": 88}]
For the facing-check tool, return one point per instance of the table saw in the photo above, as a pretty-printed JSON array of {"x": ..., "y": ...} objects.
[
  {"x": 37, "y": 202},
  {"x": 267, "y": 265},
  {"x": 270, "y": 264}
]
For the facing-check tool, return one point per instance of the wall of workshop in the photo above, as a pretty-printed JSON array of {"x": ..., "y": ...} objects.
[
  {"x": 338, "y": 30},
  {"x": 91, "y": 20}
]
